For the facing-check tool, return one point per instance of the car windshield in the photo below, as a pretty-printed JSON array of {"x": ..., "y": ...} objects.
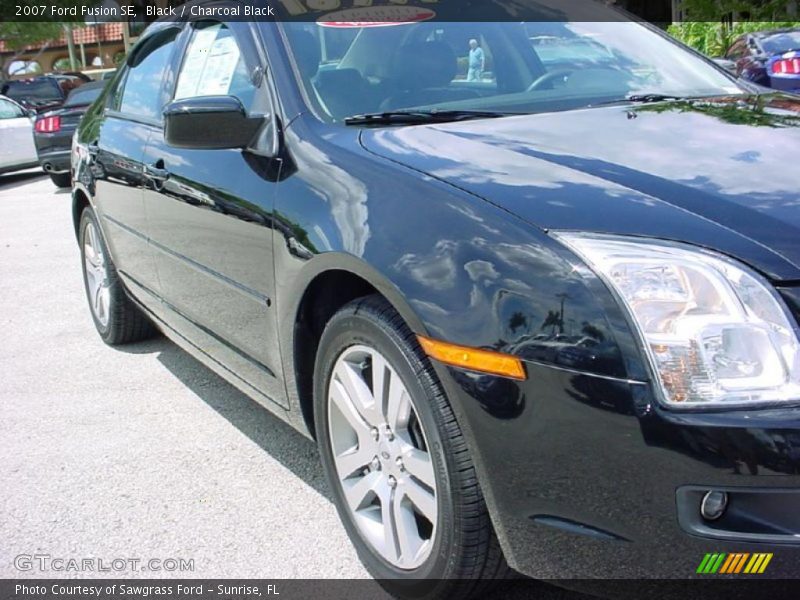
[
  {"x": 42, "y": 90},
  {"x": 360, "y": 68},
  {"x": 83, "y": 95},
  {"x": 782, "y": 42}
]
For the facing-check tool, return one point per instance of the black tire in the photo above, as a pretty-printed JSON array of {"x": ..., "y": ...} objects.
[
  {"x": 61, "y": 180},
  {"x": 466, "y": 559},
  {"x": 126, "y": 323}
]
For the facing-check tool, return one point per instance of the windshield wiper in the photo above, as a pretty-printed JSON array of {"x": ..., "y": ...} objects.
[
  {"x": 645, "y": 98},
  {"x": 415, "y": 117}
]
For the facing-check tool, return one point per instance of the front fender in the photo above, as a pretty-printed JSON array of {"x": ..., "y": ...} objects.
[{"x": 455, "y": 266}]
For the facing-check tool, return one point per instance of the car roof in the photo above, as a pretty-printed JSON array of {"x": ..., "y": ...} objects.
[
  {"x": 90, "y": 86},
  {"x": 33, "y": 79},
  {"x": 771, "y": 32}
]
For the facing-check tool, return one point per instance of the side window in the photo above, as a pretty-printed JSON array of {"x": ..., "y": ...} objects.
[
  {"x": 141, "y": 93},
  {"x": 214, "y": 66},
  {"x": 9, "y": 110}
]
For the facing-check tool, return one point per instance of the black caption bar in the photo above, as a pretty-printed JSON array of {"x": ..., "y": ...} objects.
[
  {"x": 143, "y": 11},
  {"x": 367, "y": 589}
]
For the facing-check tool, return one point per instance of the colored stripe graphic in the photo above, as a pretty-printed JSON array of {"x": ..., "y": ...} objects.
[
  {"x": 704, "y": 563},
  {"x": 755, "y": 562},
  {"x": 734, "y": 563},
  {"x": 763, "y": 567},
  {"x": 711, "y": 563},
  {"x": 727, "y": 564},
  {"x": 740, "y": 563}
]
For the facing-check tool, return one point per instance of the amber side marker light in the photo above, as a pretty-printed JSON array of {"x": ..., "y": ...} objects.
[{"x": 473, "y": 359}]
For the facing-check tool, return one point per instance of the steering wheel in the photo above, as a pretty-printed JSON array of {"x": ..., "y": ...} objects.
[{"x": 549, "y": 77}]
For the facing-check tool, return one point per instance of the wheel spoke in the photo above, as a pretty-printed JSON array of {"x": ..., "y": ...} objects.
[
  {"x": 93, "y": 243},
  {"x": 418, "y": 463},
  {"x": 91, "y": 275},
  {"x": 356, "y": 388},
  {"x": 97, "y": 304},
  {"x": 91, "y": 257},
  {"x": 423, "y": 500},
  {"x": 407, "y": 534},
  {"x": 388, "y": 500},
  {"x": 359, "y": 491},
  {"x": 381, "y": 373},
  {"x": 103, "y": 300},
  {"x": 354, "y": 460},
  {"x": 349, "y": 409},
  {"x": 398, "y": 408}
]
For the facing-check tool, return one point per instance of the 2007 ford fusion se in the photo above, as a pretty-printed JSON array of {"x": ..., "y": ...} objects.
[{"x": 532, "y": 286}]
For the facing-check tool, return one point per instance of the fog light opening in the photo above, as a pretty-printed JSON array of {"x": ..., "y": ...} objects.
[{"x": 713, "y": 505}]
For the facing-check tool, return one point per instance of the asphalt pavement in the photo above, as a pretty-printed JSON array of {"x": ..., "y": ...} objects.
[{"x": 137, "y": 453}]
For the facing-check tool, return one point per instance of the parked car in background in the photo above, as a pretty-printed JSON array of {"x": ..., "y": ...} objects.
[
  {"x": 73, "y": 74},
  {"x": 41, "y": 93},
  {"x": 53, "y": 131},
  {"x": 541, "y": 320},
  {"x": 99, "y": 74},
  {"x": 768, "y": 58},
  {"x": 17, "y": 151}
]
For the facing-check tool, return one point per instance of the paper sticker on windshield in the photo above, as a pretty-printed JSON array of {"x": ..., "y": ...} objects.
[{"x": 376, "y": 16}]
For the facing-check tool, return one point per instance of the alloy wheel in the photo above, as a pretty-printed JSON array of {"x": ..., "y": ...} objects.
[
  {"x": 97, "y": 284},
  {"x": 381, "y": 455}
]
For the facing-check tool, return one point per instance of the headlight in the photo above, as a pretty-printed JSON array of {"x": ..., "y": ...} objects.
[{"x": 716, "y": 333}]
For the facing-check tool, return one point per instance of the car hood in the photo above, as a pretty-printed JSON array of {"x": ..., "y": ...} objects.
[{"x": 720, "y": 173}]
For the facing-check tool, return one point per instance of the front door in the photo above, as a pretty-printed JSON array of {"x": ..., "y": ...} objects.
[{"x": 209, "y": 218}]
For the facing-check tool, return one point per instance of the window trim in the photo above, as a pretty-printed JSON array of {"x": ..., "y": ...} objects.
[{"x": 122, "y": 81}]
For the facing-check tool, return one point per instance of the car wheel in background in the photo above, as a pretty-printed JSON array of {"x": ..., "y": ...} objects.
[
  {"x": 403, "y": 480},
  {"x": 117, "y": 319},
  {"x": 61, "y": 180}
]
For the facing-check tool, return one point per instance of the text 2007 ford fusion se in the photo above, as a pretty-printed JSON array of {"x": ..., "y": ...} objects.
[{"x": 532, "y": 286}]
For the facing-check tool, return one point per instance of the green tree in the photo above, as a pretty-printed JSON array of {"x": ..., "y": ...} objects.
[
  {"x": 713, "y": 39},
  {"x": 18, "y": 34},
  {"x": 711, "y": 26}
]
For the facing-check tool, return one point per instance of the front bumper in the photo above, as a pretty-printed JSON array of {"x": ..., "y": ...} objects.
[{"x": 586, "y": 477}]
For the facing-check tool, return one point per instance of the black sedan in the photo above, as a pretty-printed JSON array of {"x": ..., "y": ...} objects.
[
  {"x": 53, "y": 131},
  {"x": 768, "y": 58},
  {"x": 41, "y": 93},
  {"x": 535, "y": 319}
]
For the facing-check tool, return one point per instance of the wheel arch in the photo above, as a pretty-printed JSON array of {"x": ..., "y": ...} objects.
[
  {"x": 80, "y": 200},
  {"x": 324, "y": 289}
]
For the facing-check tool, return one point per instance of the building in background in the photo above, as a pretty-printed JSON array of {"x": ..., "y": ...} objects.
[{"x": 99, "y": 46}]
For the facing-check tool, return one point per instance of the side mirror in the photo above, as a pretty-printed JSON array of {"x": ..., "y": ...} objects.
[
  {"x": 728, "y": 65},
  {"x": 209, "y": 123}
]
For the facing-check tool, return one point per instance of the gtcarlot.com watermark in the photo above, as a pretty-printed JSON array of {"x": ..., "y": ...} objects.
[{"x": 46, "y": 563}]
